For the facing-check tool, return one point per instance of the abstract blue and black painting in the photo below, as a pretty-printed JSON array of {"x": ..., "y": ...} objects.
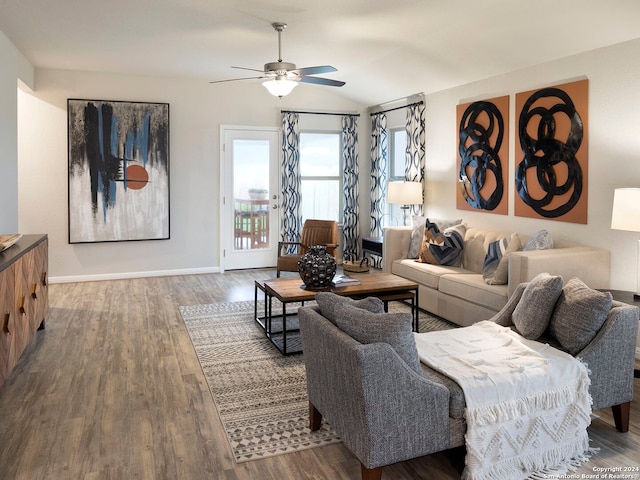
[{"x": 118, "y": 171}]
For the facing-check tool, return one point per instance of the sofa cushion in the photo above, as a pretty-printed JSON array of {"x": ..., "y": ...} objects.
[
  {"x": 496, "y": 263},
  {"x": 457, "y": 403},
  {"x": 442, "y": 248},
  {"x": 423, "y": 273},
  {"x": 471, "y": 288},
  {"x": 327, "y": 302},
  {"x": 396, "y": 329},
  {"x": 417, "y": 233},
  {"x": 578, "y": 315},
  {"x": 541, "y": 240},
  {"x": 532, "y": 315}
]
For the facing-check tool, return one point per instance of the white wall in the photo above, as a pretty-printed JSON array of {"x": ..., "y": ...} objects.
[
  {"x": 614, "y": 148},
  {"x": 197, "y": 109},
  {"x": 13, "y": 67}
]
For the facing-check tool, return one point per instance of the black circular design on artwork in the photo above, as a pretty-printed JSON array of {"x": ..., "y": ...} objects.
[
  {"x": 546, "y": 151},
  {"x": 477, "y": 154}
]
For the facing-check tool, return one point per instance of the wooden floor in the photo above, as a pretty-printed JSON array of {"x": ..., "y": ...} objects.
[{"x": 112, "y": 389}]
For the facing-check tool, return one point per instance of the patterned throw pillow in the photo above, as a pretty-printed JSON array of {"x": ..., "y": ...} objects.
[
  {"x": 579, "y": 315},
  {"x": 496, "y": 263},
  {"x": 442, "y": 248},
  {"x": 541, "y": 240},
  {"x": 532, "y": 315},
  {"x": 396, "y": 329},
  {"x": 417, "y": 232}
]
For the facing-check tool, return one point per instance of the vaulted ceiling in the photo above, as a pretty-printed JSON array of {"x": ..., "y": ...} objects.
[{"x": 382, "y": 49}]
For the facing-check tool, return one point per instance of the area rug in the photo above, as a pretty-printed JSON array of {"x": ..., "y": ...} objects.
[{"x": 260, "y": 394}]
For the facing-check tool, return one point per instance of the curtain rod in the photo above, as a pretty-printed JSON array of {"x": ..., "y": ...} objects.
[
  {"x": 397, "y": 108},
  {"x": 321, "y": 113}
]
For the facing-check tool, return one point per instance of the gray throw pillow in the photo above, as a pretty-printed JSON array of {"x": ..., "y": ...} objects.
[
  {"x": 328, "y": 301},
  {"x": 579, "y": 315},
  {"x": 532, "y": 315},
  {"x": 392, "y": 328},
  {"x": 541, "y": 240}
]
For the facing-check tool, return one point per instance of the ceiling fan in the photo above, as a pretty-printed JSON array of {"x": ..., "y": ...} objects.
[{"x": 282, "y": 77}]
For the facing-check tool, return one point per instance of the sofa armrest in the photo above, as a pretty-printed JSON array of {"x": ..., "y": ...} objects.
[
  {"x": 589, "y": 264},
  {"x": 395, "y": 245},
  {"x": 384, "y": 411},
  {"x": 610, "y": 357}
]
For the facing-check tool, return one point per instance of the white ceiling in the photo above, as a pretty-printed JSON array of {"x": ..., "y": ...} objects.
[{"x": 382, "y": 49}]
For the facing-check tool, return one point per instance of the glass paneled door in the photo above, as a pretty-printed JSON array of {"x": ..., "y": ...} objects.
[{"x": 250, "y": 197}]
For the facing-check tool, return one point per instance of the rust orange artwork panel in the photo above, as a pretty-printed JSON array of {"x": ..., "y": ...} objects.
[
  {"x": 551, "y": 160},
  {"x": 483, "y": 155}
]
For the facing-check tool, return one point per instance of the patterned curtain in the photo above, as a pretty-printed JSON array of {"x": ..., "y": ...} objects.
[
  {"x": 414, "y": 164},
  {"x": 350, "y": 181},
  {"x": 291, "y": 216},
  {"x": 379, "y": 160}
]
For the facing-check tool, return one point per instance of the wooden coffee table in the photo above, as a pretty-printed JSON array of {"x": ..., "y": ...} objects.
[{"x": 385, "y": 286}]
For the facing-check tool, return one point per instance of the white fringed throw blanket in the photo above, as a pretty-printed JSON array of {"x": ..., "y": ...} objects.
[{"x": 528, "y": 404}]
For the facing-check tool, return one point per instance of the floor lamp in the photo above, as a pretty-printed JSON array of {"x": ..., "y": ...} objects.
[
  {"x": 404, "y": 194},
  {"x": 626, "y": 216}
]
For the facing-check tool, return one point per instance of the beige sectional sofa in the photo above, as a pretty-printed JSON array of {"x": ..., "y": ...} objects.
[{"x": 460, "y": 295}]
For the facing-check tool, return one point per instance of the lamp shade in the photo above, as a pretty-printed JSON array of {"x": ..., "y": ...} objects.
[
  {"x": 626, "y": 209},
  {"x": 404, "y": 193},
  {"x": 280, "y": 87}
]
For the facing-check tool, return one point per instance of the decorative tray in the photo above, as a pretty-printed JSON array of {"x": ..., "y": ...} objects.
[{"x": 7, "y": 241}]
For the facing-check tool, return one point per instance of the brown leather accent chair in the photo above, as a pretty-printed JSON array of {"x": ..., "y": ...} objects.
[{"x": 314, "y": 232}]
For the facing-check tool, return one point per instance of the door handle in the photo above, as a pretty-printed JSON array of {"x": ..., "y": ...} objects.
[
  {"x": 5, "y": 323},
  {"x": 21, "y": 309}
]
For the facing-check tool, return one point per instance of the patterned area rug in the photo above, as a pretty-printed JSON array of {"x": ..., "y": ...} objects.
[{"x": 260, "y": 394}]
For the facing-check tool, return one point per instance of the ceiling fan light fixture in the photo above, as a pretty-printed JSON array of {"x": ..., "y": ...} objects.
[
  {"x": 282, "y": 77},
  {"x": 280, "y": 87}
]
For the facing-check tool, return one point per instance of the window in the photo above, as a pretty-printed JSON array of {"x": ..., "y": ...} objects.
[
  {"x": 321, "y": 172},
  {"x": 397, "y": 155}
]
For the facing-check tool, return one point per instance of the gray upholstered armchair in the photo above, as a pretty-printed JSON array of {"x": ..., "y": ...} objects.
[
  {"x": 384, "y": 411},
  {"x": 609, "y": 352},
  {"x": 387, "y": 412}
]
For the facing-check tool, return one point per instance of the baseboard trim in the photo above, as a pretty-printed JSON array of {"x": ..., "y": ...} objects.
[{"x": 128, "y": 275}]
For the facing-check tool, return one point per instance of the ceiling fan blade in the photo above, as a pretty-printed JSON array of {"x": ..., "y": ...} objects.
[
  {"x": 234, "y": 79},
  {"x": 251, "y": 69},
  {"x": 322, "y": 81},
  {"x": 288, "y": 71},
  {"x": 314, "y": 70}
]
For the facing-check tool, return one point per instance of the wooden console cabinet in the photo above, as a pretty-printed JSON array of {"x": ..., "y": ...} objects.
[{"x": 24, "y": 299}]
